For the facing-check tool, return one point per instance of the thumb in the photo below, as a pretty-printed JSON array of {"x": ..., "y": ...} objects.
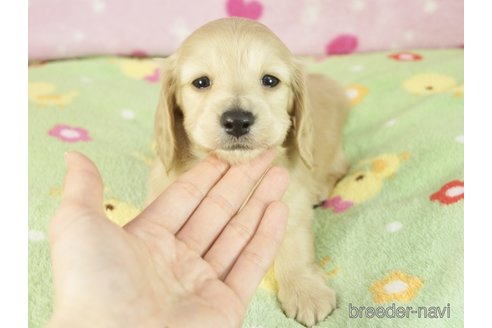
[{"x": 83, "y": 186}]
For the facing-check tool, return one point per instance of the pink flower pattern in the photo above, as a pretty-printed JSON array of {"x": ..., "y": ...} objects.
[
  {"x": 337, "y": 204},
  {"x": 68, "y": 133}
]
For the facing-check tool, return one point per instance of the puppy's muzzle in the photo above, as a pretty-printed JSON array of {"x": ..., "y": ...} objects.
[{"x": 237, "y": 122}]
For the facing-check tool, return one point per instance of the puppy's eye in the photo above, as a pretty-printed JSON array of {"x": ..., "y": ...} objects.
[
  {"x": 201, "y": 83},
  {"x": 269, "y": 81}
]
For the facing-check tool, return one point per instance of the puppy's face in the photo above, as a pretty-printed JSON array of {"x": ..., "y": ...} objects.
[
  {"x": 235, "y": 83},
  {"x": 232, "y": 89}
]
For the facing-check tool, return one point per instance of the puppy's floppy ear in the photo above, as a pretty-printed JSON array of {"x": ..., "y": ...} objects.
[
  {"x": 302, "y": 124},
  {"x": 169, "y": 132}
]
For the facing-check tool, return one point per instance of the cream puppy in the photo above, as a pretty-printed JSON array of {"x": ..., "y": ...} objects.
[{"x": 233, "y": 89}]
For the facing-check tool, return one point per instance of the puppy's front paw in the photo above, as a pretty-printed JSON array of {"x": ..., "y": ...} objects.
[{"x": 307, "y": 299}]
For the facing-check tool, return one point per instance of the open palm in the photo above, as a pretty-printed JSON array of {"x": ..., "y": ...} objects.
[{"x": 190, "y": 259}]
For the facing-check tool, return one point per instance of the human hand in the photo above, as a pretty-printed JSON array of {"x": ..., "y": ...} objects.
[{"x": 188, "y": 260}]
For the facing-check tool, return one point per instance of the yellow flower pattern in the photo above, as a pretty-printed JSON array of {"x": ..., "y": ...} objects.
[
  {"x": 356, "y": 93},
  {"x": 396, "y": 286}
]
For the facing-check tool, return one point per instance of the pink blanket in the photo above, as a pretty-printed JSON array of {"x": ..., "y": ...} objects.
[{"x": 60, "y": 28}]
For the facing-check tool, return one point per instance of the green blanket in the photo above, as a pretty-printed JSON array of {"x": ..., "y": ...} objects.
[{"x": 390, "y": 236}]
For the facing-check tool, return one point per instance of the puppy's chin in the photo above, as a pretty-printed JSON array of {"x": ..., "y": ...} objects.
[{"x": 236, "y": 156}]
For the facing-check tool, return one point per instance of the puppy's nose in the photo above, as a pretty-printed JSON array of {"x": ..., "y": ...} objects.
[{"x": 237, "y": 122}]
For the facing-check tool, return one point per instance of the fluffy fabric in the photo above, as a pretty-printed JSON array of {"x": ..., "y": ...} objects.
[{"x": 392, "y": 232}]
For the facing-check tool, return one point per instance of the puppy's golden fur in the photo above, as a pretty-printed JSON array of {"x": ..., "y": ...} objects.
[{"x": 302, "y": 117}]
